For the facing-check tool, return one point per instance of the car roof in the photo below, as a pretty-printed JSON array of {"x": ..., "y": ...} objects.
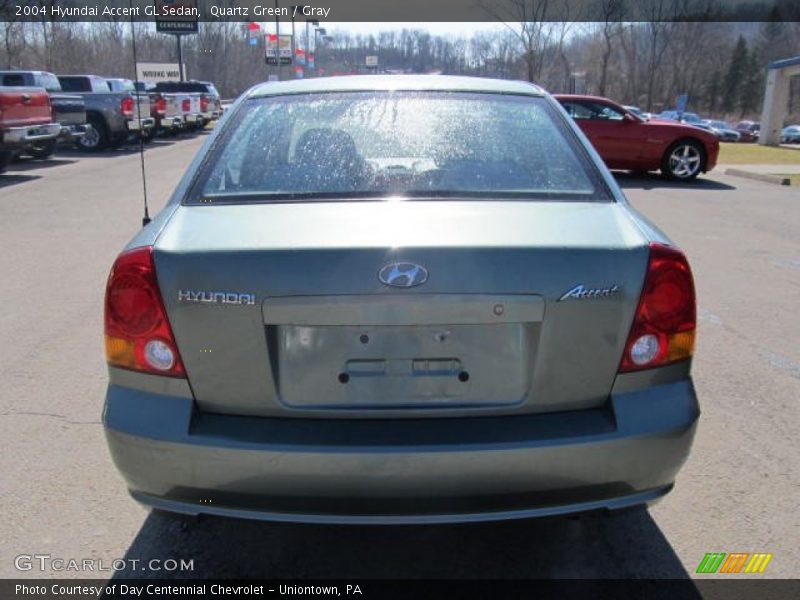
[
  {"x": 365, "y": 83},
  {"x": 6, "y": 71},
  {"x": 77, "y": 75},
  {"x": 584, "y": 97}
]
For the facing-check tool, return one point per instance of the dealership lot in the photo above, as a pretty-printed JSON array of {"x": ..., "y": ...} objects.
[{"x": 64, "y": 220}]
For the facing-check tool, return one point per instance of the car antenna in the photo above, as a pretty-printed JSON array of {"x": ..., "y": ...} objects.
[{"x": 146, "y": 218}]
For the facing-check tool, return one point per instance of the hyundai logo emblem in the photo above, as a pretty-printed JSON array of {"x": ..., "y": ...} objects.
[{"x": 403, "y": 274}]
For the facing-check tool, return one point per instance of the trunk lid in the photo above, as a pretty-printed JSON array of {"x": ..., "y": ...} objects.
[
  {"x": 68, "y": 109},
  {"x": 21, "y": 107},
  {"x": 143, "y": 100},
  {"x": 278, "y": 309}
]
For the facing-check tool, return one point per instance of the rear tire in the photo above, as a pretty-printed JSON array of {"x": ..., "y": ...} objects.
[
  {"x": 683, "y": 160},
  {"x": 43, "y": 150},
  {"x": 5, "y": 160},
  {"x": 97, "y": 136}
]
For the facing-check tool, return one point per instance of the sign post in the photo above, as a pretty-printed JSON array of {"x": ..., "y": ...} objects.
[{"x": 175, "y": 23}]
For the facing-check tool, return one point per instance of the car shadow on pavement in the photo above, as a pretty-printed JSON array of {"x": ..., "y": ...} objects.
[
  {"x": 124, "y": 150},
  {"x": 649, "y": 181},
  {"x": 623, "y": 545},
  {"x": 28, "y": 164},
  {"x": 10, "y": 179}
]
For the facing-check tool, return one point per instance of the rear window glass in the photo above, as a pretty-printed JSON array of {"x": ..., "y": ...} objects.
[
  {"x": 13, "y": 80},
  {"x": 48, "y": 81},
  {"x": 186, "y": 87},
  {"x": 414, "y": 144},
  {"x": 121, "y": 85},
  {"x": 74, "y": 84}
]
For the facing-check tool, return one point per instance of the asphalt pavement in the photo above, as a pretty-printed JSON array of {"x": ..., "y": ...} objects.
[{"x": 63, "y": 221}]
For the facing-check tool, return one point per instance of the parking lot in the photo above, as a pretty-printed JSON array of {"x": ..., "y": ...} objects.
[{"x": 63, "y": 221}]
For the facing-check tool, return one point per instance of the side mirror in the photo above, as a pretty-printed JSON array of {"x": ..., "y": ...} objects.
[{"x": 629, "y": 118}]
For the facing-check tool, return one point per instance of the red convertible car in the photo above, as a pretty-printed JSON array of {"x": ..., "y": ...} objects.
[{"x": 628, "y": 142}]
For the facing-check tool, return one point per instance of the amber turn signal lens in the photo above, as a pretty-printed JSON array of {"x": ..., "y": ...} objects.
[
  {"x": 119, "y": 352},
  {"x": 681, "y": 345}
]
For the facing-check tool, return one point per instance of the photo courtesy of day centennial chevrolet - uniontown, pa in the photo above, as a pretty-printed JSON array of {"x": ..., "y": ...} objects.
[{"x": 399, "y": 299}]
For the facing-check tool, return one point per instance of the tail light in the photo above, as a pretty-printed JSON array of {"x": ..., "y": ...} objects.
[
  {"x": 161, "y": 106},
  {"x": 203, "y": 103},
  {"x": 663, "y": 329},
  {"x": 186, "y": 105},
  {"x": 137, "y": 330},
  {"x": 127, "y": 105}
]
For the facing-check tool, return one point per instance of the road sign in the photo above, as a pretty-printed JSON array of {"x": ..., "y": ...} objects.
[
  {"x": 372, "y": 61},
  {"x": 176, "y": 16},
  {"x": 155, "y": 72},
  {"x": 276, "y": 47}
]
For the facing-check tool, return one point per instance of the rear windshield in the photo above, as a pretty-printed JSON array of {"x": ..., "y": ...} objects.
[
  {"x": 121, "y": 85},
  {"x": 186, "y": 87},
  {"x": 48, "y": 81},
  {"x": 388, "y": 144},
  {"x": 74, "y": 84}
]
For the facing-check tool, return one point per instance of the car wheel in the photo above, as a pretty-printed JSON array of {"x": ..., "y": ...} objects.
[
  {"x": 5, "y": 160},
  {"x": 683, "y": 160},
  {"x": 97, "y": 136},
  {"x": 42, "y": 150},
  {"x": 148, "y": 135}
]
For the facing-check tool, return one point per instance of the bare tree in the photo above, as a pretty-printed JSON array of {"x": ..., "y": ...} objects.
[
  {"x": 527, "y": 20},
  {"x": 612, "y": 13}
]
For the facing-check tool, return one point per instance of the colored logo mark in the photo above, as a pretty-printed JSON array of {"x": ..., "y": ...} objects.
[{"x": 735, "y": 562}]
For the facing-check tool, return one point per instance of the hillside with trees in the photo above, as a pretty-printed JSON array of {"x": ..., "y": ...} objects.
[{"x": 721, "y": 66}]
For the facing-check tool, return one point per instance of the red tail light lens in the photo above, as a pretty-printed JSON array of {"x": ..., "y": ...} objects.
[
  {"x": 137, "y": 330},
  {"x": 127, "y": 105},
  {"x": 203, "y": 103},
  {"x": 663, "y": 329},
  {"x": 186, "y": 105},
  {"x": 161, "y": 106}
]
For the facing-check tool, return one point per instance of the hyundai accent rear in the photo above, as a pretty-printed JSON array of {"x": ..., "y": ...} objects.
[{"x": 399, "y": 300}]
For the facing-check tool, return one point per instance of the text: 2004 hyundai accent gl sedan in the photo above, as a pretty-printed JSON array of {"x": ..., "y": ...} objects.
[{"x": 399, "y": 300}]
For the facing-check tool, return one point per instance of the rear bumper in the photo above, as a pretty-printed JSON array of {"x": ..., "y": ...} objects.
[
  {"x": 20, "y": 136},
  {"x": 71, "y": 133},
  {"x": 174, "y": 122},
  {"x": 401, "y": 470},
  {"x": 141, "y": 124}
]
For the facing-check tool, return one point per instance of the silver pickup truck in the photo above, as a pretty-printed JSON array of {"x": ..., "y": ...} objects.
[{"x": 113, "y": 117}]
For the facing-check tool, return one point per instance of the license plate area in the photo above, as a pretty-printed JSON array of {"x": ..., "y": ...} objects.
[{"x": 374, "y": 365}]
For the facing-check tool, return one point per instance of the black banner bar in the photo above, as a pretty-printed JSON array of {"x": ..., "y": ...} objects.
[
  {"x": 329, "y": 11},
  {"x": 730, "y": 588}
]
